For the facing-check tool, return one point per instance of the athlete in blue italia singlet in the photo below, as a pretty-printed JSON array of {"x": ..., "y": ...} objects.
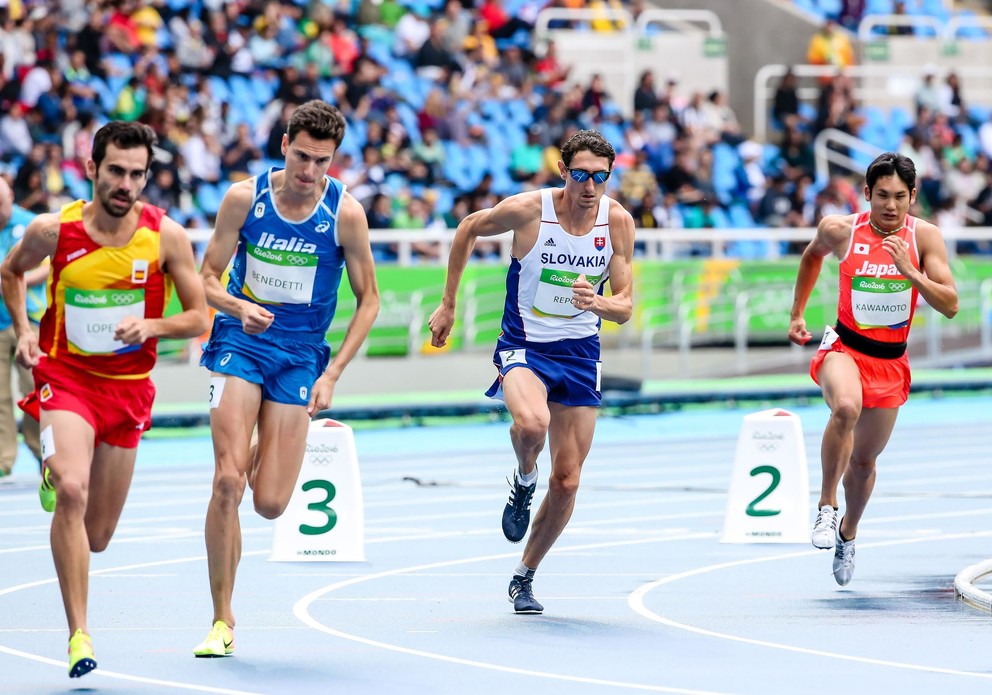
[
  {"x": 567, "y": 243},
  {"x": 291, "y": 233}
]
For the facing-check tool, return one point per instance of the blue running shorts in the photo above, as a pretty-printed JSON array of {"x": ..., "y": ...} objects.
[
  {"x": 284, "y": 364},
  {"x": 570, "y": 369}
]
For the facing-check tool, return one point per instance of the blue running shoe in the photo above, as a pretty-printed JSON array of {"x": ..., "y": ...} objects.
[
  {"x": 516, "y": 514},
  {"x": 522, "y": 595}
]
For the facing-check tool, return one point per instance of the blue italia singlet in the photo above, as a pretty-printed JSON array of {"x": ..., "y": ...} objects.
[{"x": 292, "y": 268}]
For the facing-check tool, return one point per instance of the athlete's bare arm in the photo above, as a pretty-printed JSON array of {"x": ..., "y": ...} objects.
[
  {"x": 619, "y": 306},
  {"x": 353, "y": 235},
  {"x": 40, "y": 240},
  {"x": 176, "y": 257},
  {"x": 521, "y": 213},
  {"x": 833, "y": 235},
  {"x": 223, "y": 243},
  {"x": 934, "y": 280}
]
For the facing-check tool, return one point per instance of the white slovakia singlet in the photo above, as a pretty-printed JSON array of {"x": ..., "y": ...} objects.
[{"x": 539, "y": 285}]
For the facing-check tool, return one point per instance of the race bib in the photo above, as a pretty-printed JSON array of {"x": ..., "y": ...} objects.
[
  {"x": 280, "y": 277},
  {"x": 92, "y": 316},
  {"x": 881, "y": 303},
  {"x": 554, "y": 293}
]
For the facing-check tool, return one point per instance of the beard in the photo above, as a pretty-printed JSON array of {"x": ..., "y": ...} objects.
[{"x": 112, "y": 201}]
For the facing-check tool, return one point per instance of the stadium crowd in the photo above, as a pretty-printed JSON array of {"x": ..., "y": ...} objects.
[{"x": 451, "y": 105}]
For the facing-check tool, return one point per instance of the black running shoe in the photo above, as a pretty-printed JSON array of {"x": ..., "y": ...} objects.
[
  {"x": 516, "y": 514},
  {"x": 522, "y": 595}
]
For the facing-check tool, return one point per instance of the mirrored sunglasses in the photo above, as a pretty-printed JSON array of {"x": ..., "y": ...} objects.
[{"x": 581, "y": 175}]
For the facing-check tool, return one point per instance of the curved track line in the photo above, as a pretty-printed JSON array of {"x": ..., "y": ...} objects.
[
  {"x": 301, "y": 611},
  {"x": 115, "y": 674},
  {"x": 636, "y": 603}
]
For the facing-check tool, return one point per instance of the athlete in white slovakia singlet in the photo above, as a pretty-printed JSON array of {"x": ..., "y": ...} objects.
[{"x": 567, "y": 243}]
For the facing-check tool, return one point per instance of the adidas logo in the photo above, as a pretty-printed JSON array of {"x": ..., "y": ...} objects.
[{"x": 550, "y": 242}]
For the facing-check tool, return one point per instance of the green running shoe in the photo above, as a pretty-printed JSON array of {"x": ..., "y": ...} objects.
[
  {"x": 46, "y": 491},
  {"x": 220, "y": 642},
  {"x": 81, "y": 659}
]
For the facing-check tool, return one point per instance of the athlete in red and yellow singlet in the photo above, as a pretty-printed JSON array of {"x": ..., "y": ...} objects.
[
  {"x": 888, "y": 260},
  {"x": 107, "y": 290},
  {"x": 92, "y": 287}
]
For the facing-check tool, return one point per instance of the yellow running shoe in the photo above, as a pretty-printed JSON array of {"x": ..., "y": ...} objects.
[
  {"x": 220, "y": 642},
  {"x": 46, "y": 491},
  {"x": 81, "y": 660}
]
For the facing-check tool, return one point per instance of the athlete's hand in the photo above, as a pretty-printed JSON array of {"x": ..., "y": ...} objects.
[
  {"x": 133, "y": 330},
  {"x": 440, "y": 324},
  {"x": 255, "y": 319},
  {"x": 899, "y": 250},
  {"x": 798, "y": 333},
  {"x": 321, "y": 394},
  {"x": 28, "y": 354},
  {"x": 583, "y": 295}
]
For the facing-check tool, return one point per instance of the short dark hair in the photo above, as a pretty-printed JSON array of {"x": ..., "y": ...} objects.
[
  {"x": 318, "y": 119},
  {"x": 125, "y": 135},
  {"x": 889, "y": 163},
  {"x": 587, "y": 140}
]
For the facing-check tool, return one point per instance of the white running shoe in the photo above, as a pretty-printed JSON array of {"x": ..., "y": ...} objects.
[
  {"x": 843, "y": 560},
  {"x": 825, "y": 528}
]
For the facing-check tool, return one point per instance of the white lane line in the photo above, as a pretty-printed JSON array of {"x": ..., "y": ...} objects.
[
  {"x": 636, "y": 603},
  {"x": 116, "y": 674},
  {"x": 125, "y": 676},
  {"x": 301, "y": 611}
]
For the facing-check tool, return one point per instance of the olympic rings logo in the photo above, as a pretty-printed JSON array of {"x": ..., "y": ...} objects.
[
  {"x": 297, "y": 260},
  {"x": 120, "y": 299},
  {"x": 320, "y": 460},
  {"x": 898, "y": 286},
  {"x": 766, "y": 446}
]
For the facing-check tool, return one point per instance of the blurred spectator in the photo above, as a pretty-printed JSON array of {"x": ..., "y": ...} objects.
[
  {"x": 163, "y": 190},
  {"x": 456, "y": 26},
  {"x": 951, "y": 103},
  {"x": 785, "y": 104},
  {"x": 526, "y": 158},
  {"x": 928, "y": 93},
  {"x": 433, "y": 60},
  {"x": 775, "y": 205},
  {"x": 645, "y": 96},
  {"x": 15, "y": 137},
  {"x": 899, "y": 9},
  {"x": 638, "y": 180},
  {"x": 380, "y": 214},
  {"x": 240, "y": 155},
  {"x": 830, "y": 45},
  {"x": 850, "y": 14},
  {"x": 548, "y": 71}
]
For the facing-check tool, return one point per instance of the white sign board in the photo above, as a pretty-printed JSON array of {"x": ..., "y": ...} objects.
[
  {"x": 768, "y": 501},
  {"x": 325, "y": 518}
]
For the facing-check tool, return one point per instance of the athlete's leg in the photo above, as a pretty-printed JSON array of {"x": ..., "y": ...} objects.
[
  {"x": 570, "y": 435},
  {"x": 526, "y": 399},
  {"x": 870, "y": 437},
  {"x": 110, "y": 480},
  {"x": 282, "y": 443},
  {"x": 231, "y": 425},
  {"x": 840, "y": 381},
  {"x": 69, "y": 458}
]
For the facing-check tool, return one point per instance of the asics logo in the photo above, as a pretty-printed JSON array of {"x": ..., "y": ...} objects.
[{"x": 322, "y": 227}]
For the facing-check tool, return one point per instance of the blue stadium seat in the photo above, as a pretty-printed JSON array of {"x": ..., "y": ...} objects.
[
  {"x": 208, "y": 198},
  {"x": 218, "y": 85}
]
